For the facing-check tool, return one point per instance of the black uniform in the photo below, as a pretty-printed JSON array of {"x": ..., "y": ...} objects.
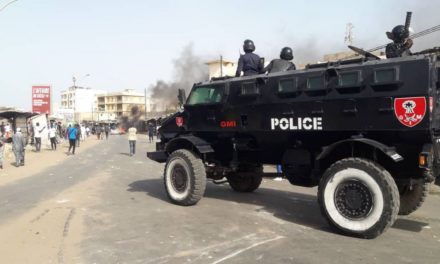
[
  {"x": 394, "y": 50},
  {"x": 279, "y": 65},
  {"x": 401, "y": 43},
  {"x": 249, "y": 64}
]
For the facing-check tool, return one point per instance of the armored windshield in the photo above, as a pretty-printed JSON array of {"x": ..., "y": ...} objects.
[{"x": 205, "y": 95}]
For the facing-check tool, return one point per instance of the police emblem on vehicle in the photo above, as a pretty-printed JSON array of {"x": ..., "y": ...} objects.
[
  {"x": 410, "y": 111},
  {"x": 179, "y": 121}
]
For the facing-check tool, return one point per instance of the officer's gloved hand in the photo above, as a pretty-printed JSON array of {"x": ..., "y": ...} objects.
[{"x": 408, "y": 43}]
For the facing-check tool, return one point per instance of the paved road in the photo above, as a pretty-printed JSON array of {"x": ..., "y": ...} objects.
[{"x": 279, "y": 223}]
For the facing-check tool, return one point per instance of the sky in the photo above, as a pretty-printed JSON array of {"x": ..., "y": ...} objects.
[{"x": 130, "y": 44}]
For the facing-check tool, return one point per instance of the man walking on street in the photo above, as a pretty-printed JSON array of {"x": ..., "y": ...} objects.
[
  {"x": 2, "y": 150},
  {"x": 78, "y": 134},
  {"x": 37, "y": 135},
  {"x": 18, "y": 144},
  {"x": 53, "y": 137},
  {"x": 83, "y": 132},
  {"x": 102, "y": 132},
  {"x": 150, "y": 132},
  {"x": 98, "y": 131},
  {"x": 71, "y": 135},
  {"x": 132, "y": 137},
  {"x": 107, "y": 131}
]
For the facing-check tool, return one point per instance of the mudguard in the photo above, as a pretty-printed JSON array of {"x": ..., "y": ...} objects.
[
  {"x": 389, "y": 151},
  {"x": 199, "y": 144}
]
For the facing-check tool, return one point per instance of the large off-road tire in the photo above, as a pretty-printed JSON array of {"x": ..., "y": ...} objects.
[
  {"x": 412, "y": 199},
  {"x": 247, "y": 179},
  {"x": 184, "y": 177},
  {"x": 358, "y": 197}
]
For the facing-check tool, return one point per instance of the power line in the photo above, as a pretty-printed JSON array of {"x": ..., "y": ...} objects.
[
  {"x": 414, "y": 36},
  {"x": 7, "y": 4}
]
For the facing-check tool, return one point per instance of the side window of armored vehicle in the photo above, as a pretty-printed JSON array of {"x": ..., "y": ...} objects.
[
  {"x": 249, "y": 89},
  {"x": 316, "y": 85},
  {"x": 288, "y": 87},
  {"x": 386, "y": 79},
  {"x": 349, "y": 78},
  {"x": 205, "y": 95},
  {"x": 349, "y": 82},
  {"x": 385, "y": 75}
]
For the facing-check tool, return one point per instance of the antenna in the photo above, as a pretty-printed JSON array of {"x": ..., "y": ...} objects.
[{"x": 348, "y": 40}]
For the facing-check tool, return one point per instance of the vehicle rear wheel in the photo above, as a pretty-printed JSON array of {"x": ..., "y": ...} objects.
[
  {"x": 184, "y": 177},
  {"x": 247, "y": 179},
  {"x": 412, "y": 198},
  {"x": 358, "y": 197}
]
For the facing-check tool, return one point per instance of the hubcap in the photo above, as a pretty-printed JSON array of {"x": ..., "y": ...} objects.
[
  {"x": 179, "y": 178},
  {"x": 353, "y": 199}
]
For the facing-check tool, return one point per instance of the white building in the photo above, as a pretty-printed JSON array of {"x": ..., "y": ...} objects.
[
  {"x": 220, "y": 68},
  {"x": 82, "y": 101}
]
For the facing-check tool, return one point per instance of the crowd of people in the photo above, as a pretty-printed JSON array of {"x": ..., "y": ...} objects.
[{"x": 57, "y": 133}]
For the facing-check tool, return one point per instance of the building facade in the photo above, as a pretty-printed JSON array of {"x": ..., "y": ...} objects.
[
  {"x": 220, "y": 68},
  {"x": 114, "y": 105},
  {"x": 80, "y": 101}
]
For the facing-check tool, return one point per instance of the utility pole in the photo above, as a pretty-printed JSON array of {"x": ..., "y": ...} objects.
[
  {"x": 349, "y": 34},
  {"x": 145, "y": 102}
]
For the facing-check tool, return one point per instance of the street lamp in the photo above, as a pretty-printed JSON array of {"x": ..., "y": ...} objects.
[
  {"x": 74, "y": 91},
  {"x": 75, "y": 79}
]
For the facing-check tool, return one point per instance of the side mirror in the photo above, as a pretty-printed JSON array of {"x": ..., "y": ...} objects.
[{"x": 182, "y": 97}]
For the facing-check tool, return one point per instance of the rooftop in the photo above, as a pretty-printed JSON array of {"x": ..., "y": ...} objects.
[
  {"x": 218, "y": 62},
  {"x": 130, "y": 92}
]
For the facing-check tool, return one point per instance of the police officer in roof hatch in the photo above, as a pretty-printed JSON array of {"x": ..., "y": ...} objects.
[
  {"x": 283, "y": 63},
  {"x": 249, "y": 63},
  {"x": 401, "y": 43}
]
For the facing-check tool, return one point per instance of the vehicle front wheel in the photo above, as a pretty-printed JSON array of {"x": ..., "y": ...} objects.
[
  {"x": 358, "y": 197},
  {"x": 184, "y": 177}
]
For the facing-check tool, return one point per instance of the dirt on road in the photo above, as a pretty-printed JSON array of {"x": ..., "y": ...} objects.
[
  {"x": 39, "y": 161},
  {"x": 52, "y": 231}
]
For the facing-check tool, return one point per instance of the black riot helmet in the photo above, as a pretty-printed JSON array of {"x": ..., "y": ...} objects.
[
  {"x": 399, "y": 33},
  {"x": 286, "y": 54},
  {"x": 248, "y": 46}
]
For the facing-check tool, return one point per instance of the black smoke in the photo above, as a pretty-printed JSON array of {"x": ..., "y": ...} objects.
[
  {"x": 134, "y": 119},
  {"x": 188, "y": 69}
]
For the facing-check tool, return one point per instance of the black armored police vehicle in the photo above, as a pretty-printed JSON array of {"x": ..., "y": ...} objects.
[{"x": 366, "y": 131}]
